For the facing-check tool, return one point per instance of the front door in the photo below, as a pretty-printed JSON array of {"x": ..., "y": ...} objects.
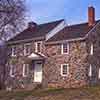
[{"x": 38, "y": 72}]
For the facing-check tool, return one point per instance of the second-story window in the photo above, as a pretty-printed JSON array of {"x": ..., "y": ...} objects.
[
  {"x": 38, "y": 46},
  {"x": 27, "y": 49},
  {"x": 65, "y": 48},
  {"x": 91, "y": 49},
  {"x": 13, "y": 51}
]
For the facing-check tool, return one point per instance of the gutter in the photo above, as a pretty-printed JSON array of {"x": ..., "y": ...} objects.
[{"x": 26, "y": 40}]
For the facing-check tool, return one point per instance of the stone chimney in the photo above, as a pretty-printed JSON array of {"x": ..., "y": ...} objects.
[{"x": 91, "y": 16}]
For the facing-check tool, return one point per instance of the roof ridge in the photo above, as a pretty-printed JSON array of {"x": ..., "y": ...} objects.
[
  {"x": 52, "y": 22},
  {"x": 80, "y": 23}
]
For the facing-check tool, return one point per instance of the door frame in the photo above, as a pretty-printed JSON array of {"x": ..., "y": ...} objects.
[{"x": 41, "y": 64}]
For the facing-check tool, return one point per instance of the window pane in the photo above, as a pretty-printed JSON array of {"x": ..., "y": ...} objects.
[
  {"x": 27, "y": 49},
  {"x": 64, "y": 69},
  {"x": 38, "y": 47},
  {"x": 12, "y": 70},
  {"x": 65, "y": 48},
  {"x": 26, "y": 69},
  {"x": 14, "y": 50}
]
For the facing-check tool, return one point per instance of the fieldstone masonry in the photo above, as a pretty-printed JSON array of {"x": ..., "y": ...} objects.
[
  {"x": 79, "y": 60},
  {"x": 77, "y": 65}
]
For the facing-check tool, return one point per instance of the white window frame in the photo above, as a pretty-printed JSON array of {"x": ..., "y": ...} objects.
[
  {"x": 12, "y": 51},
  {"x": 62, "y": 70},
  {"x": 62, "y": 49},
  {"x": 90, "y": 70},
  {"x": 91, "y": 49},
  {"x": 11, "y": 71},
  {"x": 36, "y": 43},
  {"x": 99, "y": 73},
  {"x": 25, "y": 49},
  {"x": 24, "y": 68}
]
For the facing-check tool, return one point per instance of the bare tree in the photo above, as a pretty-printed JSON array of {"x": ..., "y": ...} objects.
[
  {"x": 11, "y": 21},
  {"x": 11, "y": 17}
]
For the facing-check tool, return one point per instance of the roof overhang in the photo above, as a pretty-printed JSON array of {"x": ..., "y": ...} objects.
[
  {"x": 63, "y": 41},
  {"x": 37, "y": 56},
  {"x": 26, "y": 40},
  {"x": 74, "y": 39}
]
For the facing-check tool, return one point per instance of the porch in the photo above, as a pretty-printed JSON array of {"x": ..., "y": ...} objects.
[{"x": 37, "y": 63}]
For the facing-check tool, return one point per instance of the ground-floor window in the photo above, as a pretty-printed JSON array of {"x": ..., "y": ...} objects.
[
  {"x": 64, "y": 69},
  {"x": 25, "y": 70},
  {"x": 90, "y": 70},
  {"x": 12, "y": 70}
]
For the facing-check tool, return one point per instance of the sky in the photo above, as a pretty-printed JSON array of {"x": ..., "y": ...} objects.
[{"x": 73, "y": 11}]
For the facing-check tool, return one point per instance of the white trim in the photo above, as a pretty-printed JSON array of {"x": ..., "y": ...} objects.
[
  {"x": 62, "y": 49},
  {"x": 29, "y": 44},
  {"x": 24, "y": 68},
  {"x": 56, "y": 30},
  {"x": 38, "y": 73},
  {"x": 90, "y": 70},
  {"x": 11, "y": 71},
  {"x": 36, "y": 43},
  {"x": 91, "y": 49},
  {"x": 12, "y": 50},
  {"x": 62, "y": 69},
  {"x": 26, "y": 40},
  {"x": 33, "y": 55},
  {"x": 99, "y": 73}
]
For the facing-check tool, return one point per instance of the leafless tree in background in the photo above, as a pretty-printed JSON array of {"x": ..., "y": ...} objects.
[
  {"x": 11, "y": 21},
  {"x": 11, "y": 17}
]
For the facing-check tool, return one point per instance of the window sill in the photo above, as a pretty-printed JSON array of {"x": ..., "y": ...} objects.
[
  {"x": 12, "y": 76},
  {"x": 64, "y": 75},
  {"x": 24, "y": 76},
  {"x": 65, "y": 53},
  {"x": 13, "y": 55}
]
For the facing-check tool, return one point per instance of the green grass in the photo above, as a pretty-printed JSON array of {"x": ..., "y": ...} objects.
[{"x": 86, "y": 93}]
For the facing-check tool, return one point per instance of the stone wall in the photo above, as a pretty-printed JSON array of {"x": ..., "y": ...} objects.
[
  {"x": 94, "y": 60},
  {"x": 20, "y": 82},
  {"x": 77, "y": 60}
]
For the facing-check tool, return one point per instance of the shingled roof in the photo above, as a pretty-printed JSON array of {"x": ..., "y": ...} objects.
[
  {"x": 72, "y": 32},
  {"x": 39, "y": 31}
]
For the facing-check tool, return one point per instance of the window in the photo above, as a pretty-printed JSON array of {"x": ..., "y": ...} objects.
[
  {"x": 13, "y": 51},
  {"x": 65, "y": 48},
  {"x": 27, "y": 49},
  {"x": 90, "y": 70},
  {"x": 12, "y": 70},
  {"x": 91, "y": 49},
  {"x": 38, "y": 46},
  {"x": 99, "y": 74},
  {"x": 25, "y": 70},
  {"x": 64, "y": 69}
]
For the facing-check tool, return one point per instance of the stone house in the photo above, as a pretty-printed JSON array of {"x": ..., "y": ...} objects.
[{"x": 55, "y": 55}]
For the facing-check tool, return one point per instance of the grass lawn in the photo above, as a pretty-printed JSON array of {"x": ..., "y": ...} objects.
[{"x": 86, "y": 93}]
